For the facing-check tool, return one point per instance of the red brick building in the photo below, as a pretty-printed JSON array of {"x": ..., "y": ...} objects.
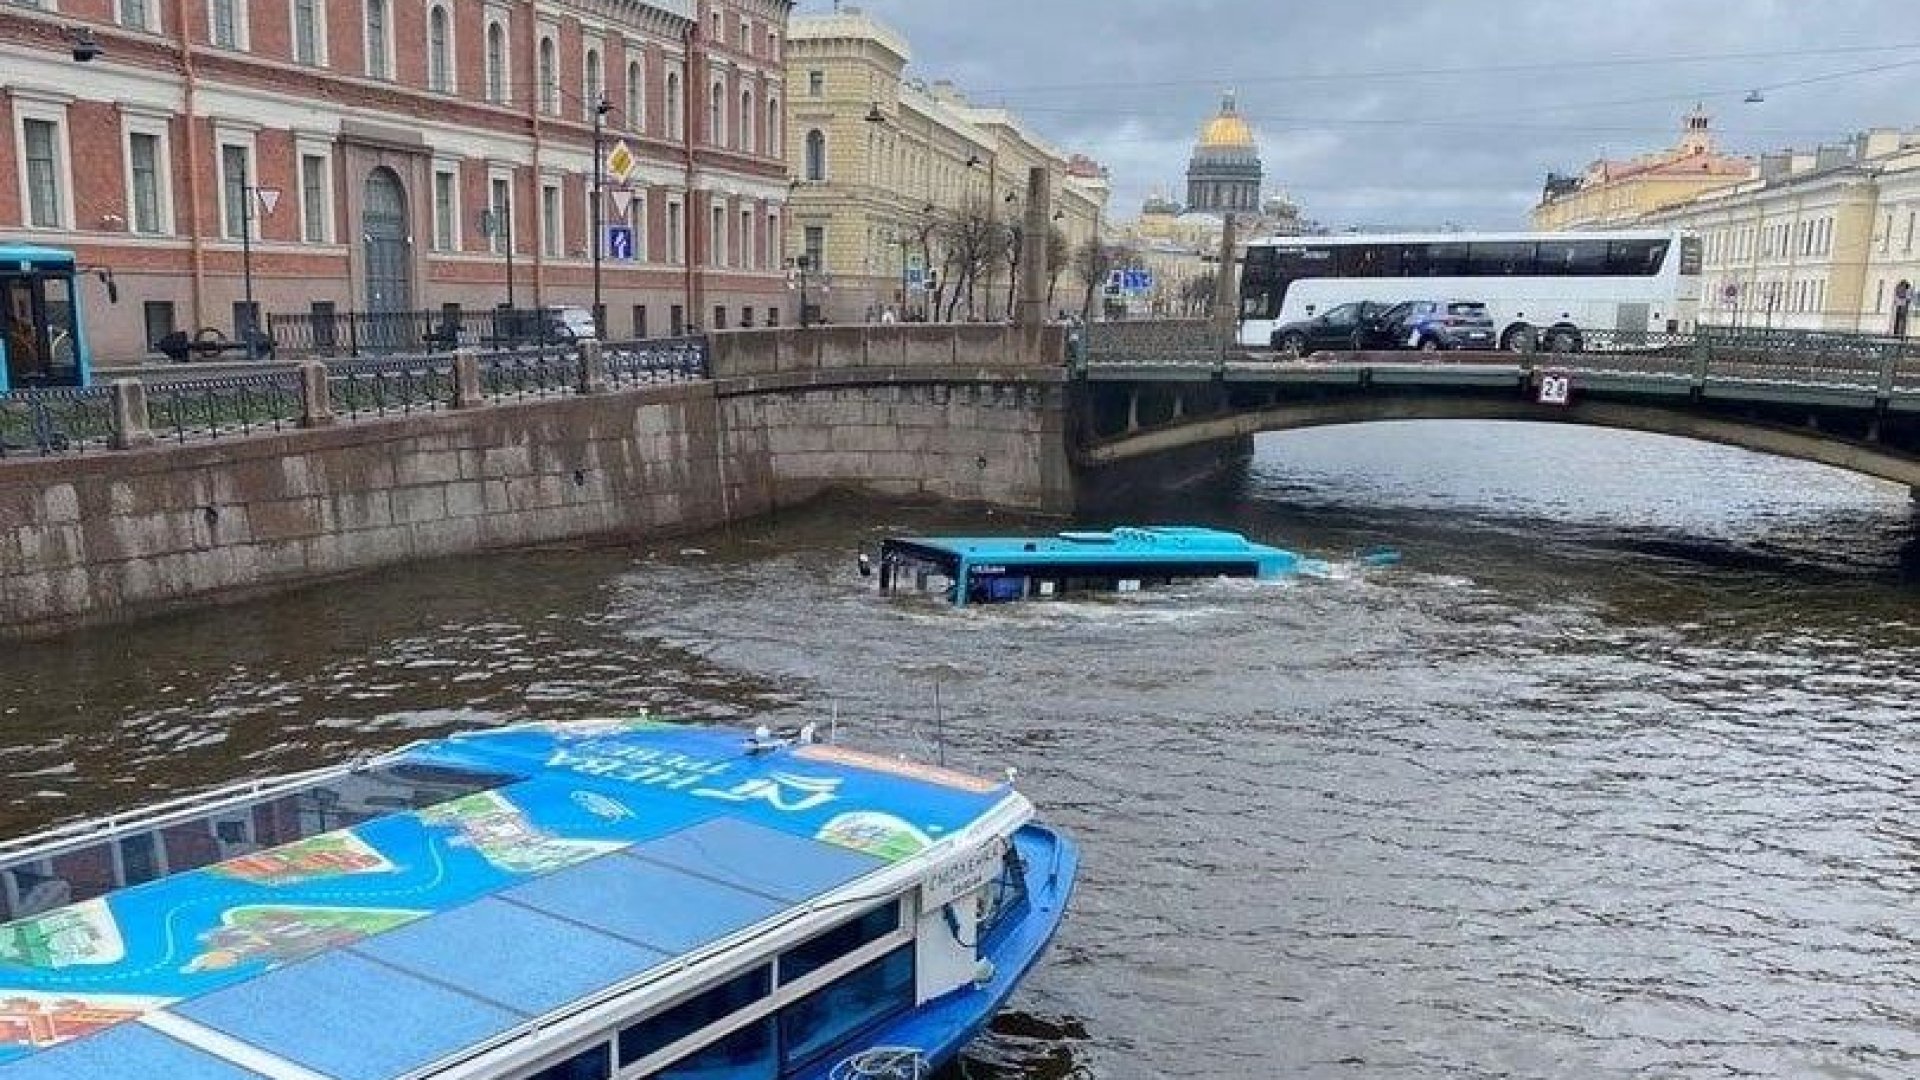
[{"x": 389, "y": 129}]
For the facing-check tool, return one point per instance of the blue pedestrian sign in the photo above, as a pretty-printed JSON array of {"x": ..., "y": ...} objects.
[{"x": 620, "y": 242}]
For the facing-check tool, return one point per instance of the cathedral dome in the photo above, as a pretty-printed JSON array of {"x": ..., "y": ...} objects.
[
  {"x": 1227, "y": 131},
  {"x": 1223, "y": 176}
]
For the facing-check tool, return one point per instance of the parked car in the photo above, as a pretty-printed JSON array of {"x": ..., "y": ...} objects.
[
  {"x": 1349, "y": 326},
  {"x": 570, "y": 324},
  {"x": 1433, "y": 325}
]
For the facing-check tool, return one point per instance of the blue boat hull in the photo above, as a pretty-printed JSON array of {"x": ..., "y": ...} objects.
[{"x": 940, "y": 1029}]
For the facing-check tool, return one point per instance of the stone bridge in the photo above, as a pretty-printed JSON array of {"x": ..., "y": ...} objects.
[{"x": 1145, "y": 390}]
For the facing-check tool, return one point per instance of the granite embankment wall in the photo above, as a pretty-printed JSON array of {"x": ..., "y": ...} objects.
[{"x": 910, "y": 411}]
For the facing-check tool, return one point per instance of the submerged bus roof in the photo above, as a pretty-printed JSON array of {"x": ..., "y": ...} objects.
[
  {"x": 35, "y": 256},
  {"x": 1126, "y": 545},
  {"x": 604, "y": 859}
]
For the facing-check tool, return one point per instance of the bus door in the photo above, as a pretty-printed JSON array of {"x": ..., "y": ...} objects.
[{"x": 38, "y": 332}]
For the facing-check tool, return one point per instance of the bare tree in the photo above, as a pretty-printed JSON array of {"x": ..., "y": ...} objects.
[
  {"x": 1016, "y": 247},
  {"x": 1094, "y": 263},
  {"x": 1059, "y": 254},
  {"x": 973, "y": 240}
]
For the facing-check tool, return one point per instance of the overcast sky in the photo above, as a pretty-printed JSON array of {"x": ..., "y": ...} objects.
[{"x": 1417, "y": 113}]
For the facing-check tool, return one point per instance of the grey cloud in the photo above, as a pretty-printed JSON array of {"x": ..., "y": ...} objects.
[{"x": 1358, "y": 141}]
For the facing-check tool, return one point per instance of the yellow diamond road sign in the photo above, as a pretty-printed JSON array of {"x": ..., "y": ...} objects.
[{"x": 620, "y": 161}]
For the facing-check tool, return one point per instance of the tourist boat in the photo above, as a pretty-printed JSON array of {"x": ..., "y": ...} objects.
[
  {"x": 547, "y": 902},
  {"x": 998, "y": 569}
]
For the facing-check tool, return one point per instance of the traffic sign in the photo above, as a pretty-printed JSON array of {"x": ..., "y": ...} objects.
[
  {"x": 622, "y": 198},
  {"x": 916, "y": 273},
  {"x": 269, "y": 198},
  {"x": 620, "y": 242},
  {"x": 620, "y": 161}
]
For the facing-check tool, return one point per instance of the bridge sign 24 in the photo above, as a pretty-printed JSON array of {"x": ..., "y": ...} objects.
[{"x": 1556, "y": 387}]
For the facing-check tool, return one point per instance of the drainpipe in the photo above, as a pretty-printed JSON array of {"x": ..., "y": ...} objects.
[
  {"x": 190, "y": 123},
  {"x": 694, "y": 78}
]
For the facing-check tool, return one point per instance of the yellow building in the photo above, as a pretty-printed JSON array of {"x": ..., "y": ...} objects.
[
  {"x": 887, "y": 170},
  {"x": 1612, "y": 194}
]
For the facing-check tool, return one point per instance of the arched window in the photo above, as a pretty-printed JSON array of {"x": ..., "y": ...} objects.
[
  {"x": 746, "y": 121},
  {"x": 439, "y": 50},
  {"x": 595, "y": 85},
  {"x": 636, "y": 96},
  {"x": 549, "y": 77},
  {"x": 379, "y": 39},
  {"x": 775, "y": 143},
  {"x": 496, "y": 63},
  {"x": 675, "y": 112},
  {"x": 816, "y": 154},
  {"x": 717, "y": 114}
]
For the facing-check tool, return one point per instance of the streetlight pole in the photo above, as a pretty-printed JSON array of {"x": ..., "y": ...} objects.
[
  {"x": 246, "y": 256},
  {"x": 600, "y": 108}
]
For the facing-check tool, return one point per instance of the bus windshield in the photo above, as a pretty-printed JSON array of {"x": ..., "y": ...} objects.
[
  {"x": 39, "y": 326},
  {"x": 1538, "y": 282}
]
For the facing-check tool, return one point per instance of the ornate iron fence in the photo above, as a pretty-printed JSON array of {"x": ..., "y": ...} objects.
[
  {"x": 56, "y": 421},
  {"x": 525, "y": 373},
  {"x": 324, "y": 335},
  {"x": 401, "y": 385},
  {"x": 640, "y": 363},
  {"x": 221, "y": 408},
  {"x": 1183, "y": 341}
]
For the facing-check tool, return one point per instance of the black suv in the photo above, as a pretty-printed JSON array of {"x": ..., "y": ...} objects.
[{"x": 1350, "y": 326}]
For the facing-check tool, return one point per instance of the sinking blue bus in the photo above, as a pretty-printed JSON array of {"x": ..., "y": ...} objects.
[{"x": 43, "y": 340}]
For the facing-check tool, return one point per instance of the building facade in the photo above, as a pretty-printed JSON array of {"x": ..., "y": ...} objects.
[
  {"x": 393, "y": 155},
  {"x": 1614, "y": 193},
  {"x": 1815, "y": 241},
  {"x": 895, "y": 178}
]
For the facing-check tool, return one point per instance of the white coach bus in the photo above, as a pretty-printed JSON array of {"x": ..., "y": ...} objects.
[{"x": 1542, "y": 290}]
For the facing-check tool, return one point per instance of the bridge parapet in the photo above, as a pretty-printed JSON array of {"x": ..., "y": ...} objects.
[{"x": 746, "y": 353}]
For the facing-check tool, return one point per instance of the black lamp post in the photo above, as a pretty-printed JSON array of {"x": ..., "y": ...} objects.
[{"x": 600, "y": 110}]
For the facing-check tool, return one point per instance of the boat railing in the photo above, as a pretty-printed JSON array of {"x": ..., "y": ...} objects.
[{"x": 64, "y": 838}]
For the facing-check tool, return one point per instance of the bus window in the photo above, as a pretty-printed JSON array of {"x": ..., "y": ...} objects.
[
  {"x": 1504, "y": 259},
  {"x": 1448, "y": 260},
  {"x": 1367, "y": 261},
  {"x": 1571, "y": 258},
  {"x": 1636, "y": 258}
]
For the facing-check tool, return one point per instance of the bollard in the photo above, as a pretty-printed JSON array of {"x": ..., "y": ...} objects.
[
  {"x": 468, "y": 393},
  {"x": 593, "y": 368},
  {"x": 131, "y": 427},
  {"x": 316, "y": 395}
]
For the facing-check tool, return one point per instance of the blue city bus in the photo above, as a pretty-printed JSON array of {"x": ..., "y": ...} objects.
[{"x": 43, "y": 340}]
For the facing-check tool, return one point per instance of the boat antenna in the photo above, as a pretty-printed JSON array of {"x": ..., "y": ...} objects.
[{"x": 939, "y": 726}]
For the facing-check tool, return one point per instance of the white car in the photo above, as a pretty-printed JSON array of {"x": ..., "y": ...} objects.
[{"x": 571, "y": 324}]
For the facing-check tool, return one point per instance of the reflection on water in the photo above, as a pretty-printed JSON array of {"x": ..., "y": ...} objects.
[{"x": 1612, "y": 777}]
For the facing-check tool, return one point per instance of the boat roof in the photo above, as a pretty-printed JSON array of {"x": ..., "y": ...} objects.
[
  {"x": 37, "y": 255},
  {"x": 570, "y": 863},
  {"x": 1124, "y": 545}
]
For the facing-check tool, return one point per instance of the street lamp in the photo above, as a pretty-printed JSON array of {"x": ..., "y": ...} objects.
[{"x": 600, "y": 110}]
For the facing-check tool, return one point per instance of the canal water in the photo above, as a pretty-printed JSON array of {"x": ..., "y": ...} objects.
[{"x": 1614, "y": 776}]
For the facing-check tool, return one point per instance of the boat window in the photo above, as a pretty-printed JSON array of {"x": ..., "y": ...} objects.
[
  {"x": 820, "y": 1021},
  {"x": 594, "y": 1064},
  {"x": 1002, "y": 901},
  {"x": 703, "y": 1010},
  {"x": 823, "y": 949},
  {"x": 747, "y": 1054}
]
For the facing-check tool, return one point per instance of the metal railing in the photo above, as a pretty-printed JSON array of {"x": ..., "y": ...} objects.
[
  {"x": 529, "y": 373},
  {"x": 394, "y": 386},
  {"x": 39, "y": 423},
  {"x": 223, "y": 408},
  {"x": 642, "y": 363},
  {"x": 324, "y": 335},
  {"x": 1153, "y": 342}
]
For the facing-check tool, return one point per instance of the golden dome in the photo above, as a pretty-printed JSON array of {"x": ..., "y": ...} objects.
[{"x": 1226, "y": 131}]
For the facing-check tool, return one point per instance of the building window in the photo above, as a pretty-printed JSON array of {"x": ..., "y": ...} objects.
[
  {"x": 640, "y": 322},
  {"x": 717, "y": 238},
  {"x": 816, "y": 83},
  {"x": 774, "y": 123},
  {"x": 135, "y": 14},
  {"x": 772, "y": 249},
  {"x": 145, "y": 168},
  {"x": 227, "y": 23},
  {"x": 439, "y": 50},
  {"x": 717, "y": 114},
  {"x": 816, "y": 247},
  {"x": 549, "y": 77},
  {"x": 234, "y": 183},
  {"x": 502, "y": 217},
  {"x": 719, "y": 34},
  {"x": 550, "y": 234},
  {"x": 309, "y": 32},
  {"x": 637, "y": 221},
  {"x": 446, "y": 210},
  {"x": 773, "y": 46},
  {"x": 746, "y": 121},
  {"x": 160, "y": 322},
  {"x": 816, "y": 155},
  {"x": 719, "y": 316},
  {"x": 676, "y": 236},
  {"x": 676, "y": 114},
  {"x": 46, "y": 170},
  {"x": 746, "y": 241},
  {"x": 596, "y": 85},
  {"x": 379, "y": 40},
  {"x": 496, "y": 63},
  {"x": 316, "y": 209},
  {"x": 636, "y": 96}
]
